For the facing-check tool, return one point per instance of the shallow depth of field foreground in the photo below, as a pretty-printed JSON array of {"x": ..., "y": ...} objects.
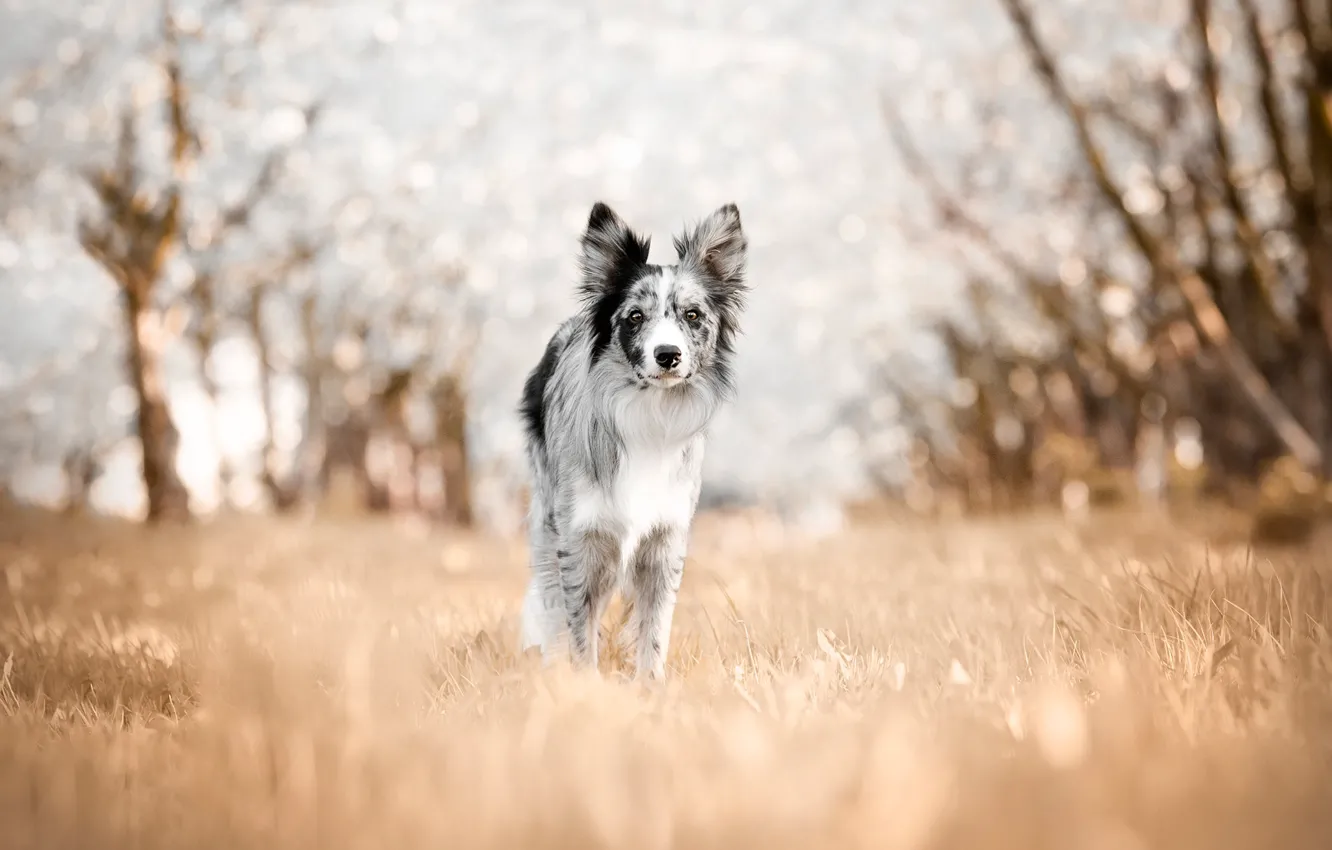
[{"x": 1132, "y": 682}]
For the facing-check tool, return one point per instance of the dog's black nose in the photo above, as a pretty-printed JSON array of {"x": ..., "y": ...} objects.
[{"x": 667, "y": 356}]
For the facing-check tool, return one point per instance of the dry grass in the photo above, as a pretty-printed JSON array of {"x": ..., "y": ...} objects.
[{"x": 1023, "y": 685}]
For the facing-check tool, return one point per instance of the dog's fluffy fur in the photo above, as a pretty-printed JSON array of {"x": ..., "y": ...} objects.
[{"x": 616, "y": 412}]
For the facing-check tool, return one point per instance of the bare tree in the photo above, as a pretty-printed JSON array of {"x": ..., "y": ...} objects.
[
  {"x": 390, "y": 367},
  {"x": 1228, "y": 322},
  {"x": 211, "y": 299},
  {"x": 132, "y": 239},
  {"x": 283, "y": 494},
  {"x": 138, "y": 226},
  {"x": 448, "y": 400}
]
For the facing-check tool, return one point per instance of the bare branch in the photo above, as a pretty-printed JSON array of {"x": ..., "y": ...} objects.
[
  {"x": 184, "y": 141},
  {"x": 951, "y": 210},
  {"x": 1053, "y": 80},
  {"x": 1164, "y": 265},
  {"x": 1263, "y": 270},
  {"x": 1270, "y": 99},
  {"x": 1047, "y": 295}
]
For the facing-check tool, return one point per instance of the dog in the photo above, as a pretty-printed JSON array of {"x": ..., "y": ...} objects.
[{"x": 616, "y": 413}]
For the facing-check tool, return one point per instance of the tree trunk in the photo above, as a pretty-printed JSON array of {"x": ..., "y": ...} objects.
[
  {"x": 282, "y": 497},
  {"x": 313, "y": 448},
  {"x": 168, "y": 500},
  {"x": 347, "y": 445},
  {"x": 1313, "y": 380},
  {"x": 225, "y": 474},
  {"x": 81, "y": 472},
  {"x": 205, "y": 339},
  {"x": 1152, "y": 462},
  {"x": 450, "y": 402}
]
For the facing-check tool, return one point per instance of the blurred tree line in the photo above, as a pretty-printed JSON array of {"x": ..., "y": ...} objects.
[
  {"x": 1183, "y": 338},
  {"x": 382, "y": 369}
]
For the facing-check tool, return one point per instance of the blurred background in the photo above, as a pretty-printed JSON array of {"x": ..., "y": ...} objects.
[{"x": 299, "y": 256}]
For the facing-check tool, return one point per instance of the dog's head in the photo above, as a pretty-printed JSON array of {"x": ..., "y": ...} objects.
[{"x": 668, "y": 324}]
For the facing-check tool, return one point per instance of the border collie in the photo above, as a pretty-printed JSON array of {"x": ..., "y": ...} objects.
[{"x": 616, "y": 413}]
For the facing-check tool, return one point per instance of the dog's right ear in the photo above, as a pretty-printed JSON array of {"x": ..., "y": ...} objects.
[{"x": 612, "y": 253}]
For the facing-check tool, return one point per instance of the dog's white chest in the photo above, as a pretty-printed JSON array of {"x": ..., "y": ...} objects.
[
  {"x": 651, "y": 486},
  {"x": 650, "y": 489}
]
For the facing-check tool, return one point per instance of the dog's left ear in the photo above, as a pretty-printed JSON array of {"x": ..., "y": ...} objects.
[{"x": 716, "y": 247}]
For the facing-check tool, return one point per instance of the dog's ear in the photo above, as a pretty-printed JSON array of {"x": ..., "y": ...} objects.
[
  {"x": 716, "y": 247},
  {"x": 612, "y": 253}
]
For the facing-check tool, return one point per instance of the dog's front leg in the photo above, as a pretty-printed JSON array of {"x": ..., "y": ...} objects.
[
  {"x": 587, "y": 572},
  {"x": 654, "y": 577}
]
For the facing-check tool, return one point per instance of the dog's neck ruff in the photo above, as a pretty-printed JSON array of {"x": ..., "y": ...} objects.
[{"x": 661, "y": 417}]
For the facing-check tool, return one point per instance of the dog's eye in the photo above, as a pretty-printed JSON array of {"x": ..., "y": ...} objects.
[
  {"x": 692, "y": 315},
  {"x": 636, "y": 317}
]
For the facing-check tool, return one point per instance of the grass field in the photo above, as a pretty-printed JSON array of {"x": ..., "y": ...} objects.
[{"x": 1122, "y": 684}]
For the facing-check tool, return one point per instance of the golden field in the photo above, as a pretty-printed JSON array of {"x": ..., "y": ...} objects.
[{"x": 1136, "y": 681}]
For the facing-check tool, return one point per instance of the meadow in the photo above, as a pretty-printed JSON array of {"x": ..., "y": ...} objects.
[{"x": 1136, "y": 680}]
